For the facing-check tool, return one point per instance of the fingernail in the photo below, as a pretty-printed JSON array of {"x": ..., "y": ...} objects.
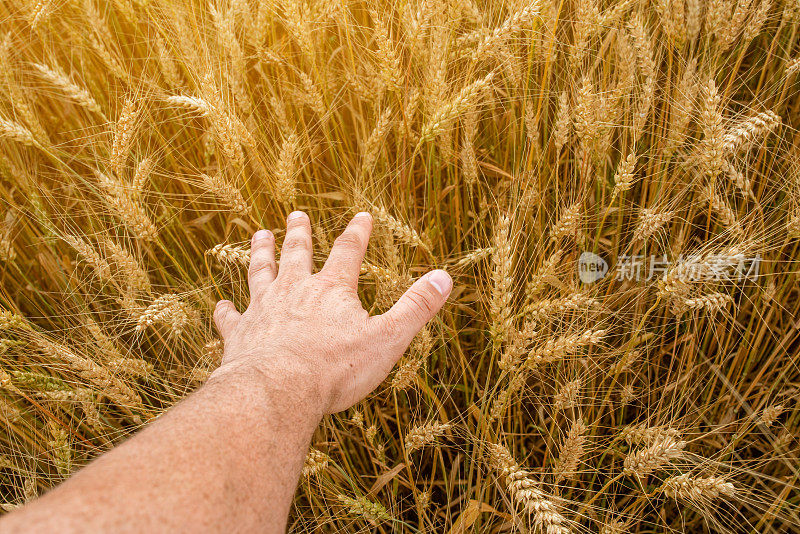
[
  {"x": 362, "y": 214},
  {"x": 261, "y": 235},
  {"x": 441, "y": 281},
  {"x": 295, "y": 215}
]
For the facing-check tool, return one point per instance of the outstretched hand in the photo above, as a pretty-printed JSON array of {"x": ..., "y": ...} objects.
[
  {"x": 309, "y": 331},
  {"x": 229, "y": 455}
]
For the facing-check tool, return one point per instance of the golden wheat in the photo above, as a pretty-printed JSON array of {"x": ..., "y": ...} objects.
[{"x": 142, "y": 144}]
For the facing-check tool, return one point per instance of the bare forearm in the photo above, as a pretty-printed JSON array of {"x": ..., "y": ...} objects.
[
  {"x": 228, "y": 458},
  {"x": 228, "y": 455}
]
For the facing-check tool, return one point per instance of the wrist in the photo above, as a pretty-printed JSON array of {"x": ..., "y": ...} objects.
[{"x": 261, "y": 386}]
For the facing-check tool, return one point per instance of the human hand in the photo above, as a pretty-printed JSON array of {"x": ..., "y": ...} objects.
[{"x": 309, "y": 331}]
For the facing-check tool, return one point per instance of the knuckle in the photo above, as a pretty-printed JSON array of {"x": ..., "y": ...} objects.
[
  {"x": 258, "y": 242},
  {"x": 295, "y": 243},
  {"x": 328, "y": 280},
  {"x": 392, "y": 327},
  {"x": 349, "y": 240},
  {"x": 259, "y": 248},
  {"x": 261, "y": 259},
  {"x": 299, "y": 225},
  {"x": 421, "y": 303},
  {"x": 363, "y": 224},
  {"x": 262, "y": 267},
  {"x": 220, "y": 312},
  {"x": 292, "y": 268},
  {"x": 302, "y": 220}
]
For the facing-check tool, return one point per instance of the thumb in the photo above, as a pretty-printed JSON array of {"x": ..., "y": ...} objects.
[
  {"x": 415, "y": 308},
  {"x": 225, "y": 317}
]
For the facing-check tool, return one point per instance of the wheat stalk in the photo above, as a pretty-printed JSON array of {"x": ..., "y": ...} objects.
[
  {"x": 407, "y": 372},
  {"x": 538, "y": 282},
  {"x": 792, "y": 67},
  {"x": 286, "y": 170},
  {"x": 226, "y": 192},
  {"x": 526, "y": 494},
  {"x": 571, "y": 451},
  {"x": 624, "y": 177},
  {"x": 372, "y": 146},
  {"x": 371, "y": 511},
  {"x": 562, "y": 347},
  {"x": 723, "y": 211},
  {"x": 90, "y": 255},
  {"x": 639, "y": 434},
  {"x": 230, "y": 254},
  {"x": 16, "y": 132},
  {"x": 79, "y": 95},
  {"x": 651, "y": 221},
  {"x": 126, "y": 208},
  {"x": 770, "y": 415},
  {"x": 713, "y": 148},
  {"x": 315, "y": 463},
  {"x": 568, "y": 224},
  {"x": 494, "y": 40},
  {"x": 749, "y": 129},
  {"x": 445, "y": 114},
  {"x": 563, "y": 122},
  {"x": 141, "y": 177},
  {"x": 698, "y": 489},
  {"x": 190, "y": 103},
  {"x": 167, "y": 64},
  {"x": 134, "y": 274},
  {"x": 502, "y": 281},
  {"x": 166, "y": 309},
  {"x": 660, "y": 453},
  {"x": 123, "y": 135},
  {"x": 544, "y": 309},
  {"x": 423, "y": 435},
  {"x": 503, "y": 399},
  {"x": 405, "y": 233},
  {"x": 567, "y": 395},
  {"x": 112, "y": 387}
]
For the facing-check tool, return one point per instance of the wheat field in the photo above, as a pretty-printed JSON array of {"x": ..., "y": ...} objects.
[{"x": 142, "y": 142}]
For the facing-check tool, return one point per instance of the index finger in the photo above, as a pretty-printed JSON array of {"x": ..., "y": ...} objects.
[{"x": 344, "y": 261}]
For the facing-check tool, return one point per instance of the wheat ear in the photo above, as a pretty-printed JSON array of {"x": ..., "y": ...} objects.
[
  {"x": 525, "y": 493},
  {"x": 230, "y": 254},
  {"x": 698, "y": 489},
  {"x": 226, "y": 192},
  {"x": 16, "y": 132},
  {"x": 422, "y": 435},
  {"x": 79, "y": 95},
  {"x": 371, "y": 511},
  {"x": 660, "y": 453},
  {"x": 571, "y": 451},
  {"x": 502, "y": 281}
]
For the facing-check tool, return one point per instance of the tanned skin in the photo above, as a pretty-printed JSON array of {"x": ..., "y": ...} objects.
[{"x": 228, "y": 457}]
